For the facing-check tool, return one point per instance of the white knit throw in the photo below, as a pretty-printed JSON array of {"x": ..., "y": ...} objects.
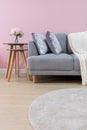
[{"x": 78, "y": 44}]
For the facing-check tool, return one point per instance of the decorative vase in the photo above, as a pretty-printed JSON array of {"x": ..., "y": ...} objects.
[{"x": 16, "y": 39}]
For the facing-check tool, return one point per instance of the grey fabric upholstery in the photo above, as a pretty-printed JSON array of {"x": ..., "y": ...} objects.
[
  {"x": 65, "y": 63},
  {"x": 76, "y": 62},
  {"x": 32, "y": 50},
  {"x": 51, "y": 61},
  {"x": 63, "y": 41},
  {"x": 54, "y": 72},
  {"x": 69, "y": 51}
]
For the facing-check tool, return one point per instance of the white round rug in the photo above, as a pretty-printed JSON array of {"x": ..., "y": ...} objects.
[{"x": 64, "y": 109}]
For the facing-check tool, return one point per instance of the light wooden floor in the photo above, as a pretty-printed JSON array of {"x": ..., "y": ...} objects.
[{"x": 17, "y": 95}]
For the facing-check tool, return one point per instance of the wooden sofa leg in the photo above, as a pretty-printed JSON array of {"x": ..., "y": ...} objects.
[{"x": 34, "y": 79}]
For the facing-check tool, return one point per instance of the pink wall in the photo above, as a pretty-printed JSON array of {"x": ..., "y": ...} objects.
[{"x": 39, "y": 16}]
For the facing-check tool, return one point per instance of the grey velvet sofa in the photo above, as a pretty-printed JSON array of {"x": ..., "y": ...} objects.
[{"x": 65, "y": 63}]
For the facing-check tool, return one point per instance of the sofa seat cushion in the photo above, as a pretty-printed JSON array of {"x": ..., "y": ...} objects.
[
  {"x": 76, "y": 62},
  {"x": 51, "y": 62}
]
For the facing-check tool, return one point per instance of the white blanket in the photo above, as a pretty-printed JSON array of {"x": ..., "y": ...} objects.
[{"x": 78, "y": 44}]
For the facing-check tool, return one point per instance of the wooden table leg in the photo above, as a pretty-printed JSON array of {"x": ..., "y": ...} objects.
[
  {"x": 11, "y": 67},
  {"x": 18, "y": 66},
  {"x": 24, "y": 59},
  {"x": 25, "y": 64},
  {"x": 15, "y": 61},
  {"x": 9, "y": 61}
]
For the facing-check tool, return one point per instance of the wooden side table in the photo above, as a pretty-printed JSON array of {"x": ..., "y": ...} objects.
[{"x": 14, "y": 49}]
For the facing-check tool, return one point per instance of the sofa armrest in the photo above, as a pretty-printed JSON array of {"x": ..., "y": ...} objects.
[{"x": 32, "y": 50}]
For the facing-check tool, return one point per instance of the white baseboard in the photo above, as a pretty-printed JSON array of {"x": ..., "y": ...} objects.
[{"x": 3, "y": 71}]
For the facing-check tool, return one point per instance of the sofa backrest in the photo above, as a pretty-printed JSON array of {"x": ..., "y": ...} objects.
[
  {"x": 68, "y": 47},
  {"x": 62, "y": 37}
]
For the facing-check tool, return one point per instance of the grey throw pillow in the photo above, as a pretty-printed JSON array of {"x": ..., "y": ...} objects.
[
  {"x": 40, "y": 41},
  {"x": 53, "y": 43}
]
